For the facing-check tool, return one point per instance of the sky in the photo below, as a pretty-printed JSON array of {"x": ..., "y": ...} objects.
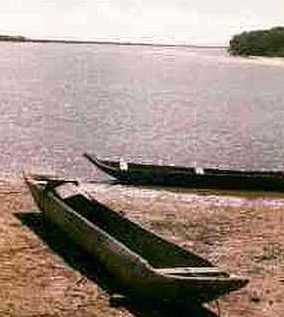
[{"x": 200, "y": 22}]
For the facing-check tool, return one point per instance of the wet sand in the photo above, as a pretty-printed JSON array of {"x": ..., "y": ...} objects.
[{"x": 43, "y": 274}]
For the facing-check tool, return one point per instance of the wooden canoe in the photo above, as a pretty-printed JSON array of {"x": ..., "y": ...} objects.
[
  {"x": 147, "y": 174},
  {"x": 145, "y": 264}
]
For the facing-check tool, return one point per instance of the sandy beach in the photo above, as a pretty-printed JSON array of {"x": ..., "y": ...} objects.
[
  {"x": 43, "y": 274},
  {"x": 259, "y": 60}
]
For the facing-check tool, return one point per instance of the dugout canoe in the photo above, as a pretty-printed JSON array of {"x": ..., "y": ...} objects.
[
  {"x": 145, "y": 264},
  {"x": 194, "y": 177}
]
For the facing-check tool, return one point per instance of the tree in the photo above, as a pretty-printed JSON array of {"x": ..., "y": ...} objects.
[{"x": 259, "y": 43}]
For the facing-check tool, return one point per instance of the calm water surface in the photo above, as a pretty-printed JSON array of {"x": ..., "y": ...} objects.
[{"x": 147, "y": 104}]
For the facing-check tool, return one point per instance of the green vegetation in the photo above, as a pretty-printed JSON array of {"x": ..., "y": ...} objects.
[
  {"x": 10, "y": 38},
  {"x": 259, "y": 43}
]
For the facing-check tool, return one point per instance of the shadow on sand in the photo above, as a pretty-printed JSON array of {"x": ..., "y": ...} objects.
[
  {"x": 240, "y": 193},
  {"x": 82, "y": 262}
]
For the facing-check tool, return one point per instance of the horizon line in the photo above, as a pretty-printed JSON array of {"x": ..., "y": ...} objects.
[{"x": 19, "y": 38}]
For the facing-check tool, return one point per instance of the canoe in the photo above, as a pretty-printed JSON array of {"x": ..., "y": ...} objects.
[
  {"x": 195, "y": 177},
  {"x": 145, "y": 264}
]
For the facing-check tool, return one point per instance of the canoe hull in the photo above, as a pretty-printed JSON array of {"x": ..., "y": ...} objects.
[
  {"x": 191, "y": 177},
  {"x": 133, "y": 272},
  {"x": 200, "y": 181}
]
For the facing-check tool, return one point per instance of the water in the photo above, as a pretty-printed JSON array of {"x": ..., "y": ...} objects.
[{"x": 148, "y": 104}]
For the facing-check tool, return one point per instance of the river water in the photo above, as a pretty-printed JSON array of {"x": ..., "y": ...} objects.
[{"x": 185, "y": 106}]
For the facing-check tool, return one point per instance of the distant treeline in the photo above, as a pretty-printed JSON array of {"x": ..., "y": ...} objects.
[
  {"x": 9, "y": 38},
  {"x": 259, "y": 43}
]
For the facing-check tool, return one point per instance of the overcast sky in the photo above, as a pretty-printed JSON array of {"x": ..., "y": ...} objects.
[{"x": 163, "y": 21}]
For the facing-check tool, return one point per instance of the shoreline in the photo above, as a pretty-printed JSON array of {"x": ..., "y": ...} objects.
[{"x": 262, "y": 60}]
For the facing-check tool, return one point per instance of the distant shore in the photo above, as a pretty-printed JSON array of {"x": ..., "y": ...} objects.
[
  {"x": 12, "y": 38},
  {"x": 4, "y": 38}
]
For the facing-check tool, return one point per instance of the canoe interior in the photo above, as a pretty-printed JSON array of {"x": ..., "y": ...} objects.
[{"x": 158, "y": 252}]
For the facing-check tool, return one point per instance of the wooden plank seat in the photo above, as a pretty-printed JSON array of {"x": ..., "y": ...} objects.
[{"x": 213, "y": 271}]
